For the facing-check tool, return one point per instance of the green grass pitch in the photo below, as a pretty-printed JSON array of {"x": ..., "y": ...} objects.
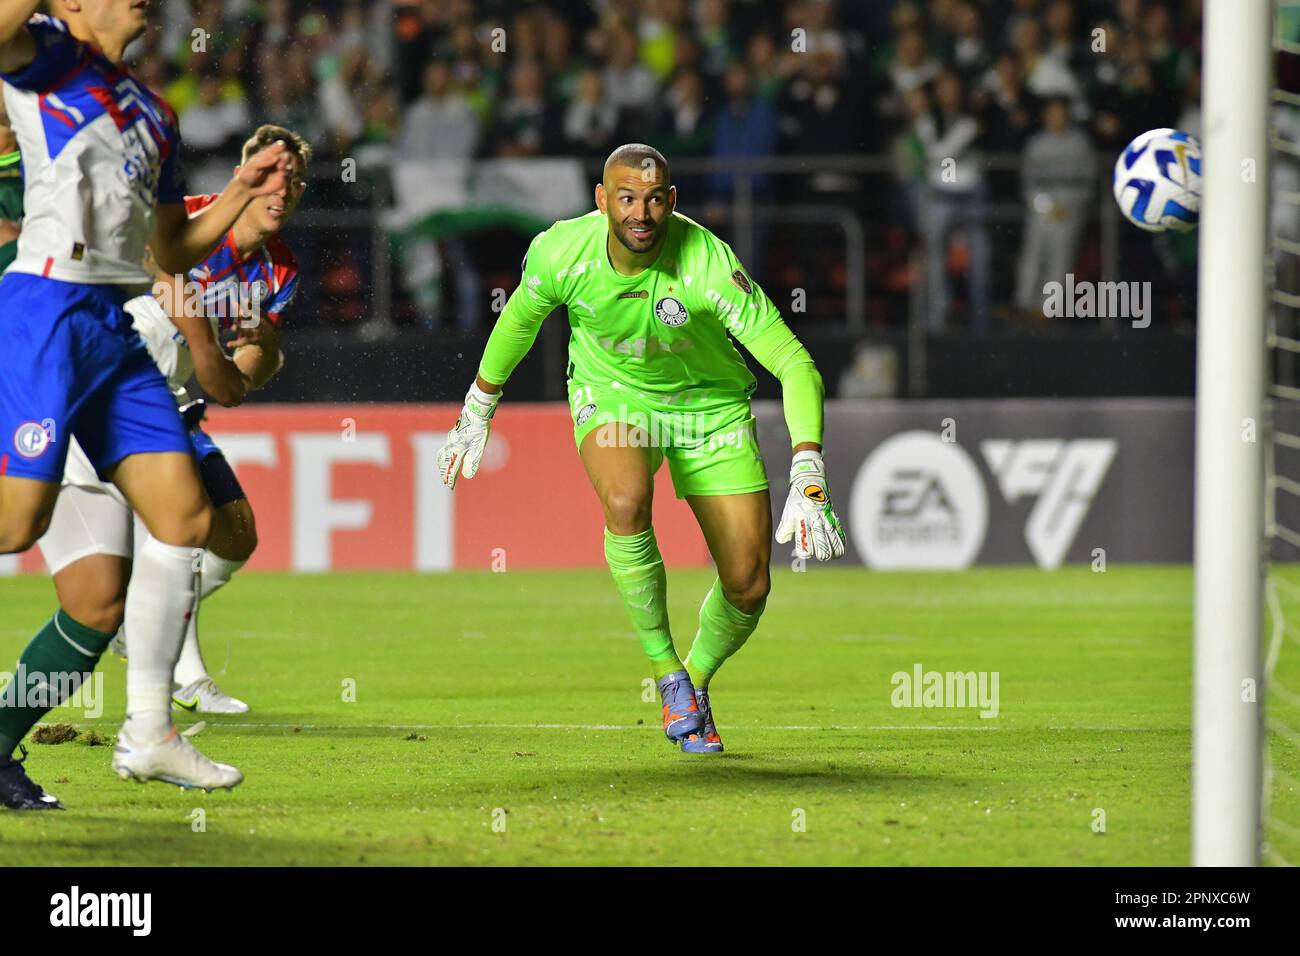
[{"x": 515, "y": 699}]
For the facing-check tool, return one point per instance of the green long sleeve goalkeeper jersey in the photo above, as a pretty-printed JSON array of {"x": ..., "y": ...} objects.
[{"x": 664, "y": 331}]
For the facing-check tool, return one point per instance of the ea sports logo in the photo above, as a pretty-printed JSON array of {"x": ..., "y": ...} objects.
[
  {"x": 918, "y": 502},
  {"x": 671, "y": 312},
  {"x": 31, "y": 439}
]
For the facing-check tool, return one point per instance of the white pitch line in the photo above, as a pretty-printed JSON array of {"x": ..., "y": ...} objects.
[
  {"x": 872, "y": 728},
  {"x": 1102, "y": 728},
  {"x": 655, "y": 727}
]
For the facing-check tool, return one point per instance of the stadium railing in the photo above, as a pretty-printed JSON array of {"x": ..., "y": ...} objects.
[{"x": 857, "y": 228}]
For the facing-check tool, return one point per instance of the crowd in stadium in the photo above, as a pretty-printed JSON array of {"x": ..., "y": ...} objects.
[
  {"x": 228, "y": 65},
  {"x": 1029, "y": 99}
]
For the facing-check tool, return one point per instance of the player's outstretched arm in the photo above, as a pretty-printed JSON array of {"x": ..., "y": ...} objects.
[
  {"x": 809, "y": 518},
  {"x": 180, "y": 242},
  {"x": 219, "y": 377},
  {"x": 512, "y": 336},
  {"x": 17, "y": 48}
]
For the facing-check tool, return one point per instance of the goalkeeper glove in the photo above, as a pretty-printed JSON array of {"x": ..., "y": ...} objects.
[
  {"x": 463, "y": 449},
  {"x": 808, "y": 517}
]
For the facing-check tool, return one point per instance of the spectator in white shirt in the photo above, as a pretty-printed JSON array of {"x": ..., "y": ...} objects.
[
  {"x": 629, "y": 84},
  {"x": 440, "y": 124},
  {"x": 1046, "y": 76},
  {"x": 1058, "y": 181},
  {"x": 952, "y": 197},
  {"x": 591, "y": 120}
]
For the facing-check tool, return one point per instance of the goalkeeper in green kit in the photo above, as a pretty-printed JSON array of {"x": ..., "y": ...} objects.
[{"x": 651, "y": 297}]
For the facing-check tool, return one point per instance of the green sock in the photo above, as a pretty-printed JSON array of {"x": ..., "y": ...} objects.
[
  {"x": 723, "y": 629},
  {"x": 638, "y": 571},
  {"x": 61, "y": 648}
]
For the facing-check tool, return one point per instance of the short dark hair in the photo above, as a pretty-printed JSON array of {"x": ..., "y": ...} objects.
[{"x": 638, "y": 156}]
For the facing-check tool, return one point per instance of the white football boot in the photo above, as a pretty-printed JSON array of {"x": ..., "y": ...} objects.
[
  {"x": 118, "y": 644},
  {"x": 172, "y": 760},
  {"x": 205, "y": 697}
]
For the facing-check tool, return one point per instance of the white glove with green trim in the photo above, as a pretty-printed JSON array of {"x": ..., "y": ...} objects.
[
  {"x": 808, "y": 517},
  {"x": 463, "y": 450}
]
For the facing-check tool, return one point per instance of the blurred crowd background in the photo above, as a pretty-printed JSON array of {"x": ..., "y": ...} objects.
[{"x": 845, "y": 106}]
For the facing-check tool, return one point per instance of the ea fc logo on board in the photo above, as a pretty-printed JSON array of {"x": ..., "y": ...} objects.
[
  {"x": 31, "y": 439},
  {"x": 671, "y": 312}
]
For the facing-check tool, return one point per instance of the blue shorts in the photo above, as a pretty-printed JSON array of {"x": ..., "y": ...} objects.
[
  {"x": 203, "y": 444},
  {"x": 218, "y": 477},
  {"x": 71, "y": 364}
]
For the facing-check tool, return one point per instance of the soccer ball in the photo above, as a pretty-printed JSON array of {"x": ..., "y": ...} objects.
[{"x": 1157, "y": 181}]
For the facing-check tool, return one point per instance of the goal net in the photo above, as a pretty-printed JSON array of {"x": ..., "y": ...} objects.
[{"x": 1280, "y": 693}]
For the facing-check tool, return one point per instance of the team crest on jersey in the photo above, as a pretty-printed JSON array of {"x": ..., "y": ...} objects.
[
  {"x": 585, "y": 412},
  {"x": 671, "y": 312},
  {"x": 741, "y": 282},
  {"x": 259, "y": 291},
  {"x": 31, "y": 439}
]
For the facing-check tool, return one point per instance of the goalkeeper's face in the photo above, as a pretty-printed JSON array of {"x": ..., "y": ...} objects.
[{"x": 638, "y": 204}]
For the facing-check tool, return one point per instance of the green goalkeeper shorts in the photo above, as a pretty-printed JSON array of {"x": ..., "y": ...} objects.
[{"x": 711, "y": 445}]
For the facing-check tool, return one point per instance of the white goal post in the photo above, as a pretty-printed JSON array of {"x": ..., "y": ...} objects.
[{"x": 1230, "y": 434}]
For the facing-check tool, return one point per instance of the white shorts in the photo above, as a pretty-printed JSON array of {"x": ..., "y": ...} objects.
[
  {"x": 80, "y": 472},
  {"x": 90, "y": 517}
]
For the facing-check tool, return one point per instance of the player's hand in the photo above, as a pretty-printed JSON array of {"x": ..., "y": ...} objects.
[
  {"x": 252, "y": 328},
  {"x": 219, "y": 377},
  {"x": 248, "y": 335},
  {"x": 808, "y": 518},
  {"x": 465, "y": 443},
  {"x": 266, "y": 171}
]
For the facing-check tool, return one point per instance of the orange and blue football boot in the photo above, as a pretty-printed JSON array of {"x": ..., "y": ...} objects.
[
  {"x": 681, "y": 712},
  {"x": 706, "y": 739}
]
